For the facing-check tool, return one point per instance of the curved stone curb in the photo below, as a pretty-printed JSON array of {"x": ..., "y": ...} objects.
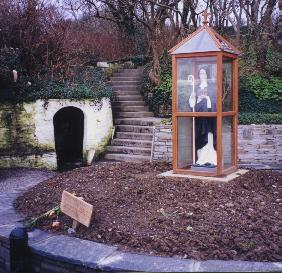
[{"x": 60, "y": 253}]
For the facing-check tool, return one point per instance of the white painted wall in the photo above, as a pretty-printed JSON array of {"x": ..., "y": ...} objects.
[
  {"x": 37, "y": 130},
  {"x": 98, "y": 123}
]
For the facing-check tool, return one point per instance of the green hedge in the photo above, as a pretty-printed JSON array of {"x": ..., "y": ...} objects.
[
  {"x": 248, "y": 118},
  {"x": 260, "y": 118},
  {"x": 137, "y": 60},
  {"x": 81, "y": 82},
  {"x": 260, "y": 94},
  {"x": 247, "y": 102}
]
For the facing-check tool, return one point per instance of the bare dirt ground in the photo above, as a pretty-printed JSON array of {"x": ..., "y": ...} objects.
[{"x": 140, "y": 212}]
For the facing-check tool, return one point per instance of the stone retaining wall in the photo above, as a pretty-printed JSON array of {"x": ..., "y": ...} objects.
[
  {"x": 39, "y": 263},
  {"x": 257, "y": 144},
  {"x": 4, "y": 255},
  {"x": 27, "y": 131}
]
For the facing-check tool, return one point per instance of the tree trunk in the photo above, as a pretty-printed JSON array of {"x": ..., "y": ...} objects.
[{"x": 155, "y": 72}]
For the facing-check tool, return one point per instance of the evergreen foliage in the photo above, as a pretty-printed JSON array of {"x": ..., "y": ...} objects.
[{"x": 83, "y": 82}]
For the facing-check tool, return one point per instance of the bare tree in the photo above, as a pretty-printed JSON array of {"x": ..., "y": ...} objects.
[
  {"x": 236, "y": 20},
  {"x": 151, "y": 15}
]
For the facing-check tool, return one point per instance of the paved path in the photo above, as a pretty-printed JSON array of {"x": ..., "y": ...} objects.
[{"x": 14, "y": 180}]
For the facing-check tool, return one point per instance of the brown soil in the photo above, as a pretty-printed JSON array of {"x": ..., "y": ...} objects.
[{"x": 138, "y": 211}]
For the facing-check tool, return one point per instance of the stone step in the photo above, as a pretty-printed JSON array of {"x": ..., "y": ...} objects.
[
  {"x": 121, "y": 108},
  {"x": 125, "y": 83},
  {"x": 132, "y": 142},
  {"x": 126, "y": 78},
  {"x": 129, "y": 73},
  {"x": 134, "y": 128},
  {"x": 127, "y": 92},
  {"x": 129, "y": 98},
  {"x": 129, "y": 150},
  {"x": 133, "y": 121},
  {"x": 126, "y": 88},
  {"x": 128, "y": 103},
  {"x": 133, "y": 114},
  {"x": 127, "y": 157},
  {"x": 139, "y": 69},
  {"x": 135, "y": 136}
]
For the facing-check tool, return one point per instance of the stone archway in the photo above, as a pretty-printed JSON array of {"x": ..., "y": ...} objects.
[{"x": 68, "y": 131}]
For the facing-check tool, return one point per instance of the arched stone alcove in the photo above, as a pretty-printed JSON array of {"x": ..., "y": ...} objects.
[{"x": 37, "y": 132}]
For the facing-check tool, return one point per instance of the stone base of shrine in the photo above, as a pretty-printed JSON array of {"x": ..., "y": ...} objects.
[{"x": 226, "y": 178}]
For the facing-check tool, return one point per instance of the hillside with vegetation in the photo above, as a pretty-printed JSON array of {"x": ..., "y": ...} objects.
[{"x": 55, "y": 48}]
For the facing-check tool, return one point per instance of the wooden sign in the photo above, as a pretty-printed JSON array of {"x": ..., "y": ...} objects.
[{"x": 76, "y": 208}]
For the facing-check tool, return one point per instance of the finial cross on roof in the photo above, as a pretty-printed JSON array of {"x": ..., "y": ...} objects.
[{"x": 205, "y": 15}]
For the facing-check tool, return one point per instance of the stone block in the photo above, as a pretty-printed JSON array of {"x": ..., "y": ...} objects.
[
  {"x": 248, "y": 133},
  {"x": 121, "y": 261},
  {"x": 160, "y": 149},
  {"x": 251, "y": 140},
  {"x": 37, "y": 235},
  {"x": 4, "y": 253},
  {"x": 52, "y": 268},
  {"x": 72, "y": 250},
  {"x": 237, "y": 266}
]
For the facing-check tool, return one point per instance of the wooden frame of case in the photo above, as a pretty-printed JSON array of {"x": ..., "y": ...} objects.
[{"x": 220, "y": 171}]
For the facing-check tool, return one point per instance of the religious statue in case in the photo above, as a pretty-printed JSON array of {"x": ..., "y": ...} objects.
[{"x": 205, "y": 104}]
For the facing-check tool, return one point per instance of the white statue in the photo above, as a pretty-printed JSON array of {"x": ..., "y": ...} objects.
[{"x": 15, "y": 75}]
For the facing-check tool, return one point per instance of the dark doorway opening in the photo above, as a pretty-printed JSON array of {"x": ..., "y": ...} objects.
[{"x": 68, "y": 130}]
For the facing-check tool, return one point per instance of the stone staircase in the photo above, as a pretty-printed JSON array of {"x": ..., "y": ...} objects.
[{"x": 132, "y": 119}]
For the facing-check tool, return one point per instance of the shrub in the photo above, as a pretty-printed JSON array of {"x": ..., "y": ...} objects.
[
  {"x": 249, "y": 102},
  {"x": 137, "y": 60},
  {"x": 159, "y": 97},
  {"x": 248, "y": 118},
  {"x": 259, "y": 118},
  {"x": 266, "y": 88},
  {"x": 273, "y": 60},
  {"x": 85, "y": 83}
]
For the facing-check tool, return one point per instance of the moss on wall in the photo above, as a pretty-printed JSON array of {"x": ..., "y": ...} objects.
[
  {"x": 17, "y": 131},
  {"x": 47, "y": 160},
  {"x": 26, "y": 131},
  {"x": 98, "y": 149}
]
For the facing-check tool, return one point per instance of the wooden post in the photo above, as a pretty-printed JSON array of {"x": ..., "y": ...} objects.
[
  {"x": 174, "y": 110},
  {"x": 219, "y": 115},
  {"x": 235, "y": 108},
  {"x": 75, "y": 224}
]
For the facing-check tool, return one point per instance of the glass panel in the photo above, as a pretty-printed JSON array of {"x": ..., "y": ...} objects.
[
  {"x": 204, "y": 155},
  {"x": 196, "y": 84},
  {"x": 184, "y": 142},
  {"x": 227, "y": 142},
  {"x": 227, "y": 86},
  {"x": 205, "y": 143}
]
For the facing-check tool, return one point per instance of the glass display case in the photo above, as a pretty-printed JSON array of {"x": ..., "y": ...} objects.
[{"x": 205, "y": 83}]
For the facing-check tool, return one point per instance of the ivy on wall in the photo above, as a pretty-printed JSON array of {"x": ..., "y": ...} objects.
[
  {"x": 90, "y": 84},
  {"x": 83, "y": 82}
]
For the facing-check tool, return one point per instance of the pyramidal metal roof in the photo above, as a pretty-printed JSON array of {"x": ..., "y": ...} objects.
[{"x": 204, "y": 39}]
